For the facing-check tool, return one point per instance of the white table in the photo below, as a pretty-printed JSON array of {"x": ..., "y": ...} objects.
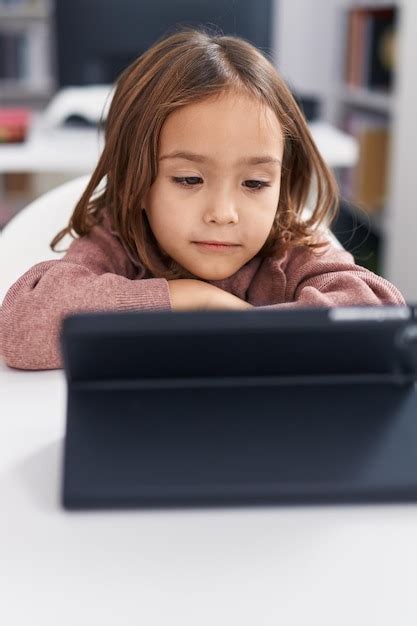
[
  {"x": 331, "y": 565},
  {"x": 78, "y": 149},
  {"x": 49, "y": 149}
]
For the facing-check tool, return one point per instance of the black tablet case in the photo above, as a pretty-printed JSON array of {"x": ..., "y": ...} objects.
[{"x": 240, "y": 407}]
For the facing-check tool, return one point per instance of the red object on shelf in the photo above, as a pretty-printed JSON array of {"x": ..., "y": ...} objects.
[{"x": 14, "y": 124}]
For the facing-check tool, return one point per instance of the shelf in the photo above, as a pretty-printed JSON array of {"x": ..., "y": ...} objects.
[
  {"x": 12, "y": 90},
  {"x": 374, "y": 100},
  {"x": 9, "y": 14},
  {"x": 370, "y": 4}
]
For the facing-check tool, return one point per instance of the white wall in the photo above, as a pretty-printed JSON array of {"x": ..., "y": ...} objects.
[{"x": 306, "y": 50}]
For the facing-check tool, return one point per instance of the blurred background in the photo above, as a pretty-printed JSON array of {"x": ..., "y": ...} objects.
[{"x": 350, "y": 64}]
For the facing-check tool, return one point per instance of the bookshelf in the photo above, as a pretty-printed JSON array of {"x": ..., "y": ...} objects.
[
  {"x": 310, "y": 53},
  {"x": 365, "y": 99},
  {"x": 393, "y": 217}
]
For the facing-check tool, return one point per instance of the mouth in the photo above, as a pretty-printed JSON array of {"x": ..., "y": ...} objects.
[
  {"x": 216, "y": 246},
  {"x": 221, "y": 244}
]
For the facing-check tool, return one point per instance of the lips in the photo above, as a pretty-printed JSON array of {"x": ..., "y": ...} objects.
[
  {"x": 214, "y": 247},
  {"x": 217, "y": 243}
]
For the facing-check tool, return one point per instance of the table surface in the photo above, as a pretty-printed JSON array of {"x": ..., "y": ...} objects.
[
  {"x": 274, "y": 565},
  {"x": 57, "y": 149}
]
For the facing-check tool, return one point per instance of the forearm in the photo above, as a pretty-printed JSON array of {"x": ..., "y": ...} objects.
[
  {"x": 190, "y": 294},
  {"x": 347, "y": 290},
  {"x": 34, "y": 307},
  {"x": 333, "y": 279}
]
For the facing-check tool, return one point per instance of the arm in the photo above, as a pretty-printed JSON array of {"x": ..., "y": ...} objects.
[
  {"x": 92, "y": 276},
  {"x": 331, "y": 278},
  {"x": 190, "y": 294}
]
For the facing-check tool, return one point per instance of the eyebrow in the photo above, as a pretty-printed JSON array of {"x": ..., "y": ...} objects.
[{"x": 200, "y": 158}]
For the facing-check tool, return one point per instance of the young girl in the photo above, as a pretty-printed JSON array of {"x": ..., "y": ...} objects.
[{"x": 208, "y": 165}]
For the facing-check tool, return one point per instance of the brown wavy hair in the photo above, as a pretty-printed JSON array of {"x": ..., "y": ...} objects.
[{"x": 180, "y": 68}]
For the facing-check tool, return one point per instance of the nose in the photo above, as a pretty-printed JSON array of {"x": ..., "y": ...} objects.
[{"x": 221, "y": 209}]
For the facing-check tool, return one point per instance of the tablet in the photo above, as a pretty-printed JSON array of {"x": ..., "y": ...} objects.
[{"x": 232, "y": 407}]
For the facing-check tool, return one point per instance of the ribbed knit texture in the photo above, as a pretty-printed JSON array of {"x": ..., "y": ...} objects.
[{"x": 97, "y": 274}]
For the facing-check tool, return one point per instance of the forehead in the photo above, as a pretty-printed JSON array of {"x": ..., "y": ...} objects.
[{"x": 230, "y": 124}]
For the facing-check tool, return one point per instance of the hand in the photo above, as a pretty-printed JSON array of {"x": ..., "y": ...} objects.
[
  {"x": 189, "y": 294},
  {"x": 220, "y": 299}
]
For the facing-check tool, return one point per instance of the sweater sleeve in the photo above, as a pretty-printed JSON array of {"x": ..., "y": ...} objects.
[
  {"x": 94, "y": 275},
  {"x": 331, "y": 278}
]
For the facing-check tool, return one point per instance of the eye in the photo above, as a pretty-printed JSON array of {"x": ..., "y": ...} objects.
[
  {"x": 257, "y": 185},
  {"x": 186, "y": 181},
  {"x": 194, "y": 181}
]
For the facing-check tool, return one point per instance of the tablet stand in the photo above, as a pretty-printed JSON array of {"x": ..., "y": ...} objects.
[{"x": 241, "y": 443}]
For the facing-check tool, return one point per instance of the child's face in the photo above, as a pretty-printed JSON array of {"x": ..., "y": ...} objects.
[{"x": 216, "y": 199}]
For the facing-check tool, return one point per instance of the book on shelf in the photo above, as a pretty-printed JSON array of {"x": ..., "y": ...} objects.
[
  {"x": 371, "y": 47},
  {"x": 365, "y": 185},
  {"x": 14, "y": 124}
]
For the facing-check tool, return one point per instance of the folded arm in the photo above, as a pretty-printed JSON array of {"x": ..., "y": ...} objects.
[
  {"x": 92, "y": 276},
  {"x": 331, "y": 278}
]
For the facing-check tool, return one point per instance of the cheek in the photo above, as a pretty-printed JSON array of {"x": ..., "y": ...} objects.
[
  {"x": 266, "y": 217},
  {"x": 168, "y": 223},
  {"x": 164, "y": 224},
  {"x": 261, "y": 230},
  {"x": 166, "y": 213}
]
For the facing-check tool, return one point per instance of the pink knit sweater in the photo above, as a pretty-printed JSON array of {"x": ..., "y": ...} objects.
[{"x": 97, "y": 274}]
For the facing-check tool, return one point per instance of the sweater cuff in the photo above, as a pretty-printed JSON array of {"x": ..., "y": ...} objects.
[{"x": 149, "y": 294}]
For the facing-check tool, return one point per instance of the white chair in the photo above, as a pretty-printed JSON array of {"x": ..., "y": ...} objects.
[{"x": 26, "y": 238}]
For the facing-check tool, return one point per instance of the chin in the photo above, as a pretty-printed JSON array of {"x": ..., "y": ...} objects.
[
  {"x": 215, "y": 274},
  {"x": 207, "y": 271}
]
